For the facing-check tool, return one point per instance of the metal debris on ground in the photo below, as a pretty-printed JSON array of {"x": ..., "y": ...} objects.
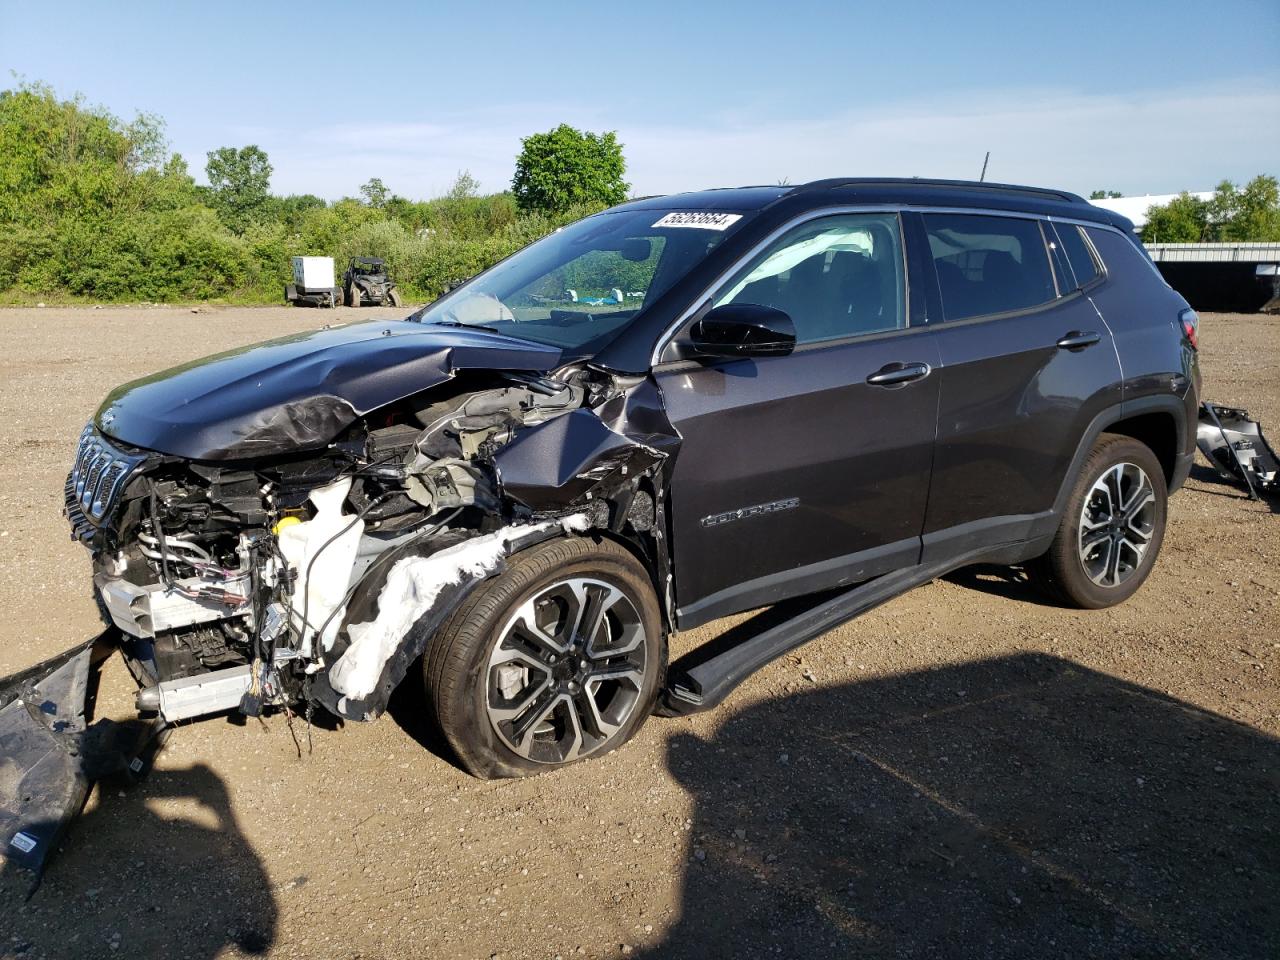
[{"x": 1235, "y": 447}]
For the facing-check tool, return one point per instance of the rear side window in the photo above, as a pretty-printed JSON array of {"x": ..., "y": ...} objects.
[
  {"x": 1078, "y": 254},
  {"x": 988, "y": 264}
]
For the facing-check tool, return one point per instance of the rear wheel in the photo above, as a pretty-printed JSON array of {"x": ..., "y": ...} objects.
[
  {"x": 1112, "y": 528},
  {"x": 557, "y": 659},
  {"x": 353, "y": 296},
  {"x": 395, "y": 298}
]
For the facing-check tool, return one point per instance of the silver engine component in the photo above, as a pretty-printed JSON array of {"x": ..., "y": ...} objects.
[
  {"x": 196, "y": 696},
  {"x": 144, "y": 611}
]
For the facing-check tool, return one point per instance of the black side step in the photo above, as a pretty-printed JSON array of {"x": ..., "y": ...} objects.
[{"x": 704, "y": 684}]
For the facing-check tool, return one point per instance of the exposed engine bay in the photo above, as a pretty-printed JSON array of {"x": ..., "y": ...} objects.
[{"x": 317, "y": 578}]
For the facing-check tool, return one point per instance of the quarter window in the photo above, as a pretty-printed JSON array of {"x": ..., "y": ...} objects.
[
  {"x": 839, "y": 276},
  {"x": 1078, "y": 254},
  {"x": 988, "y": 264}
]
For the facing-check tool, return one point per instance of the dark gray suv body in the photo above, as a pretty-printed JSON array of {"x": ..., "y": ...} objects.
[{"x": 678, "y": 409}]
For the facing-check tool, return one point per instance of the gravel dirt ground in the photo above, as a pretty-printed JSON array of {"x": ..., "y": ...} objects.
[{"x": 966, "y": 771}]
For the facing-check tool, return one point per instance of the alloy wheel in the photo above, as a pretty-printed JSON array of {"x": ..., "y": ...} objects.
[
  {"x": 1116, "y": 524},
  {"x": 567, "y": 671}
]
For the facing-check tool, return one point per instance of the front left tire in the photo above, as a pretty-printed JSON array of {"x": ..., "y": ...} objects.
[{"x": 558, "y": 659}]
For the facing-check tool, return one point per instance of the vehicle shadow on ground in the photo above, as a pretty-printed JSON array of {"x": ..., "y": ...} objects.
[
  {"x": 214, "y": 894},
  {"x": 1011, "y": 583},
  {"x": 1019, "y": 807}
]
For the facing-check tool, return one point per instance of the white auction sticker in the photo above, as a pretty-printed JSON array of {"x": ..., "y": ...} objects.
[
  {"x": 24, "y": 842},
  {"x": 700, "y": 221}
]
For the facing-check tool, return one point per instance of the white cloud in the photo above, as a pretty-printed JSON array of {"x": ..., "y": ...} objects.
[{"x": 1147, "y": 142}]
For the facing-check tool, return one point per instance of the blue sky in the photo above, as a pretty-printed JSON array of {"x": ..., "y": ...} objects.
[{"x": 1137, "y": 97}]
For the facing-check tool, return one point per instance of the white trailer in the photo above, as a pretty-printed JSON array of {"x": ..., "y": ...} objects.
[{"x": 313, "y": 283}]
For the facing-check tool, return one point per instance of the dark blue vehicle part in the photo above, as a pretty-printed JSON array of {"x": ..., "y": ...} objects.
[
  {"x": 589, "y": 453},
  {"x": 855, "y": 456},
  {"x": 298, "y": 393}
]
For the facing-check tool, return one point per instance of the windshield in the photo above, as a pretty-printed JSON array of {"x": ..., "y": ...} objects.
[{"x": 579, "y": 287}]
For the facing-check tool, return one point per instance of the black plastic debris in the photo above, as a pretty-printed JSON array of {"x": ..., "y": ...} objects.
[
  {"x": 1235, "y": 447},
  {"x": 50, "y": 755}
]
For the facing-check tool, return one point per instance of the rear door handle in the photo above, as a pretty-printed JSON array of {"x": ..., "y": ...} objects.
[
  {"x": 897, "y": 374},
  {"x": 1075, "y": 340}
]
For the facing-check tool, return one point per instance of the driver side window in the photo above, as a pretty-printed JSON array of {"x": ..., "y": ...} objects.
[{"x": 836, "y": 277}]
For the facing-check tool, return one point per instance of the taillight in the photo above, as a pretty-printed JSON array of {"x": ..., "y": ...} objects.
[{"x": 1190, "y": 327}]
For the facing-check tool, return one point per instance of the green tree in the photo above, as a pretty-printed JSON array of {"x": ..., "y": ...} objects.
[
  {"x": 375, "y": 192},
  {"x": 1105, "y": 195},
  {"x": 1248, "y": 214},
  {"x": 240, "y": 181},
  {"x": 1184, "y": 219},
  {"x": 95, "y": 207},
  {"x": 566, "y": 167},
  {"x": 465, "y": 187}
]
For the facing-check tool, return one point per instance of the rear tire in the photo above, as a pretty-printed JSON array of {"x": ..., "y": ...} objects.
[
  {"x": 518, "y": 688},
  {"x": 395, "y": 298},
  {"x": 1111, "y": 529},
  {"x": 353, "y": 296}
]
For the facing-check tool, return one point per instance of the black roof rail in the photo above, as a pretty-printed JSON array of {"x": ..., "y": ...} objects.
[{"x": 974, "y": 185}]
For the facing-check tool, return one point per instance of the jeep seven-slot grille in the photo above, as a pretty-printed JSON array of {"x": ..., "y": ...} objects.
[{"x": 97, "y": 477}]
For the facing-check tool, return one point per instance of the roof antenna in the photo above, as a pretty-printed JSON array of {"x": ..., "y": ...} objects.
[{"x": 984, "y": 167}]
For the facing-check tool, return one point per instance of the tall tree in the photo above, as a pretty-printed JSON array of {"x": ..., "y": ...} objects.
[
  {"x": 240, "y": 181},
  {"x": 375, "y": 192},
  {"x": 465, "y": 186},
  {"x": 564, "y": 167}
]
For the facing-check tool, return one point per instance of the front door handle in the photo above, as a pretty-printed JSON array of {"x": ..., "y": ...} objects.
[
  {"x": 1075, "y": 340},
  {"x": 897, "y": 374}
]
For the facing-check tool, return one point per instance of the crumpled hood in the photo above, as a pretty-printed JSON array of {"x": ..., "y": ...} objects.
[{"x": 298, "y": 393}]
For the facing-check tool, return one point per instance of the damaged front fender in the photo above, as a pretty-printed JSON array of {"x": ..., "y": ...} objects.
[
  {"x": 590, "y": 454},
  {"x": 418, "y": 592}
]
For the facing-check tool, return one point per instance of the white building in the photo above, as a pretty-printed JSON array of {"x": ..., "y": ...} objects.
[{"x": 1135, "y": 208}]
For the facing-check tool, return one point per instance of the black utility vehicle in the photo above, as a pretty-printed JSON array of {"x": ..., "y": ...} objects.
[
  {"x": 678, "y": 409},
  {"x": 366, "y": 281}
]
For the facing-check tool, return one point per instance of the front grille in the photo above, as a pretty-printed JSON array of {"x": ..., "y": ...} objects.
[{"x": 98, "y": 475}]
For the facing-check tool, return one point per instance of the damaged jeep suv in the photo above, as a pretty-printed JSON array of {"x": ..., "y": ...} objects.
[{"x": 678, "y": 409}]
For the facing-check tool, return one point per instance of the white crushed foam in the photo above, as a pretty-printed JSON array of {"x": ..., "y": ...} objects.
[{"x": 411, "y": 590}]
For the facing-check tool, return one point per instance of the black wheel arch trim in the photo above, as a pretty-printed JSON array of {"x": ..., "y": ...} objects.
[{"x": 1109, "y": 416}]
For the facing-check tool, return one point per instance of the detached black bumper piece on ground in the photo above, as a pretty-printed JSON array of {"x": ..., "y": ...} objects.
[{"x": 50, "y": 755}]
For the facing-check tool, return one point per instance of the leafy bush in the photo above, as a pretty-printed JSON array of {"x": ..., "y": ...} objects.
[
  {"x": 1232, "y": 215},
  {"x": 565, "y": 167},
  {"x": 92, "y": 207}
]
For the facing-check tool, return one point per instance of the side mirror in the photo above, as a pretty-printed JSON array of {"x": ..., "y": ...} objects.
[{"x": 744, "y": 330}]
